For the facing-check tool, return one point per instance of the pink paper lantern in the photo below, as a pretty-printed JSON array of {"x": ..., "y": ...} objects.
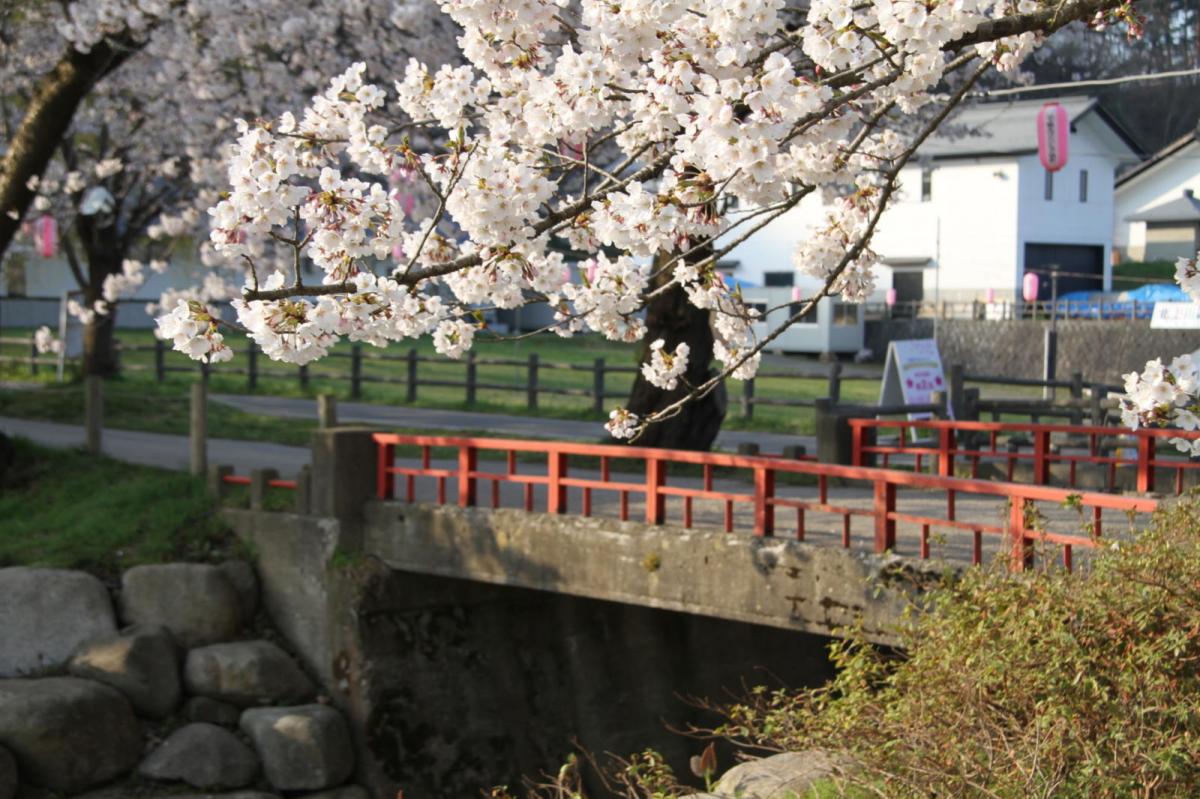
[
  {"x": 797, "y": 294},
  {"x": 1053, "y": 130},
  {"x": 1029, "y": 287},
  {"x": 47, "y": 235},
  {"x": 989, "y": 296},
  {"x": 890, "y": 297}
]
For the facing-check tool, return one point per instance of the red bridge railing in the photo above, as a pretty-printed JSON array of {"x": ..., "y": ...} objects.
[
  {"x": 1077, "y": 445},
  {"x": 651, "y": 484}
]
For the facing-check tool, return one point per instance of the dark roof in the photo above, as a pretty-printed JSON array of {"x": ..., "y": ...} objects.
[
  {"x": 1185, "y": 208},
  {"x": 1158, "y": 157},
  {"x": 1007, "y": 127}
]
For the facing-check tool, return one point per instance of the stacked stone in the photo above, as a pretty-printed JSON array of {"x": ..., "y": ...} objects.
[{"x": 78, "y": 694}]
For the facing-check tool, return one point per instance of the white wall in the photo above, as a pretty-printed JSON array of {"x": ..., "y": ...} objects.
[
  {"x": 1161, "y": 183},
  {"x": 1066, "y": 219}
]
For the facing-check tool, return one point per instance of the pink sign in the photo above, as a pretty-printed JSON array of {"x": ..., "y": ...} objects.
[{"x": 1053, "y": 131}]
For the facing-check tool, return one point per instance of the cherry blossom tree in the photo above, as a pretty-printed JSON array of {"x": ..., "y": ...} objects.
[
  {"x": 650, "y": 137},
  {"x": 130, "y": 177}
]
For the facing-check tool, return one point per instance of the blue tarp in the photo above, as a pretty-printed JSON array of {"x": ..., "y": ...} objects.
[{"x": 1155, "y": 292}]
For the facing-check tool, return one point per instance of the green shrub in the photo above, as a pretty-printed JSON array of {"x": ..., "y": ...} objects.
[{"x": 1049, "y": 684}]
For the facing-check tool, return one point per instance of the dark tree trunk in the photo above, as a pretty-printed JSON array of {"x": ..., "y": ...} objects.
[
  {"x": 104, "y": 256},
  {"x": 672, "y": 318},
  {"x": 47, "y": 118}
]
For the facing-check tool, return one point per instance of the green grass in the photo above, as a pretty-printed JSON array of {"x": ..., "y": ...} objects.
[{"x": 64, "y": 509}]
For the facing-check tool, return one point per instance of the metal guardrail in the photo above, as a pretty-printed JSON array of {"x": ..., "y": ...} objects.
[
  {"x": 1100, "y": 446},
  {"x": 654, "y": 489}
]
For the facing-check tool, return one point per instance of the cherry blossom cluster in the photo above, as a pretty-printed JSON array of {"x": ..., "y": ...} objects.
[
  {"x": 664, "y": 369},
  {"x": 1168, "y": 395},
  {"x": 591, "y": 155}
]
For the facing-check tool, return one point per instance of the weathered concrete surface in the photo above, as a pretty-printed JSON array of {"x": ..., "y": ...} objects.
[{"x": 772, "y": 581}]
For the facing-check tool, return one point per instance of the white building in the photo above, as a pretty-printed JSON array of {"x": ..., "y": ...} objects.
[
  {"x": 1157, "y": 212},
  {"x": 978, "y": 210}
]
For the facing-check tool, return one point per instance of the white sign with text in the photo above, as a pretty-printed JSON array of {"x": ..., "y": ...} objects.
[{"x": 912, "y": 372}]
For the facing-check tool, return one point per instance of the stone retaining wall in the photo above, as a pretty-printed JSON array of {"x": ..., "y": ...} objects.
[{"x": 1103, "y": 350}]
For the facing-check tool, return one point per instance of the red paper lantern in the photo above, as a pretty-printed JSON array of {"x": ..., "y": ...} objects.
[
  {"x": 47, "y": 236},
  {"x": 1053, "y": 136},
  {"x": 1029, "y": 287}
]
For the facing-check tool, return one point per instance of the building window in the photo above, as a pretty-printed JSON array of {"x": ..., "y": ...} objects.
[
  {"x": 809, "y": 318},
  {"x": 926, "y": 184},
  {"x": 777, "y": 279},
  {"x": 844, "y": 314},
  {"x": 1049, "y": 185},
  {"x": 1083, "y": 185}
]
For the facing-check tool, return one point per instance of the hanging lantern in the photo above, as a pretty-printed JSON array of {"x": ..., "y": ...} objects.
[
  {"x": 1029, "y": 287},
  {"x": 989, "y": 296},
  {"x": 47, "y": 236},
  {"x": 890, "y": 297},
  {"x": 797, "y": 294},
  {"x": 1053, "y": 130}
]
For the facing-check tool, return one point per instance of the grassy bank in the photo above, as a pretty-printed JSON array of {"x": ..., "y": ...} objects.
[{"x": 64, "y": 509}]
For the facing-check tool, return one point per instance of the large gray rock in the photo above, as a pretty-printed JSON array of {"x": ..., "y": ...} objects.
[
  {"x": 198, "y": 603},
  {"x": 211, "y": 711},
  {"x": 203, "y": 756},
  {"x": 45, "y": 614},
  {"x": 246, "y": 673},
  {"x": 140, "y": 662},
  {"x": 241, "y": 576},
  {"x": 783, "y": 776},
  {"x": 8, "y": 774},
  {"x": 304, "y": 748},
  {"x": 68, "y": 734}
]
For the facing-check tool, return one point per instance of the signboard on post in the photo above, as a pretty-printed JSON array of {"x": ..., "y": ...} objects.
[
  {"x": 1176, "y": 316},
  {"x": 911, "y": 373}
]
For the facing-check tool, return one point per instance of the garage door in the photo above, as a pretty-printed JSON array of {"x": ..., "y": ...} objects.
[{"x": 1082, "y": 266}]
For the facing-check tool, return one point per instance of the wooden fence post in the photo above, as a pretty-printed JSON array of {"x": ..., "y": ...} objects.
[
  {"x": 1099, "y": 392},
  {"x": 93, "y": 412},
  {"x": 468, "y": 464},
  {"x": 835, "y": 382},
  {"x": 356, "y": 371},
  {"x": 598, "y": 387},
  {"x": 302, "y": 374},
  {"x": 748, "y": 398},
  {"x": 958, "y": 399},
  {"x": 656, "y": 502},
  {"x": 532, "y": 386},
  {"x": 556, "y": 492},
  {"x": 326, "y": 410},
  {"x": 1021, "y": 553},
  {"x": 411, "y": 382},
  {"x": 198, "y": 428},
  {"x": 160, "y": 356},
  {"x": 1077, "y": 398},
  {"x": 33, "y": 356},
  {"x": 471, "y": 377},
  {"x": 252, "y": 366}
]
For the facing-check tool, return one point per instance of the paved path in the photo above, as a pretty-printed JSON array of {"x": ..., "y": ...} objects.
[
  {"x": 434, "y": 419},
  {"x": 163, "y": 451}
]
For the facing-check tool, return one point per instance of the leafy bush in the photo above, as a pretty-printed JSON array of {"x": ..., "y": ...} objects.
[{"x": 1049, "y": 684}]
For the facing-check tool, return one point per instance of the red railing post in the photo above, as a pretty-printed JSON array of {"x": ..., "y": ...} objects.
[
  {"x": 1041, "y": 457},
  {"x": 856, "y": 442},
  {"x": 885, "y": 524},
  {"x": 946, "y": 452},
  {"x": 468, "y": 462},
  {"x": 556, "y": 492},
  {"x": 385, "y": 485},
  {"x": 1145, "y": 463},
  {"x": 656, "y": 474},
  {"x": 1021, "y": 554},
  {"x": 764, "y": 507}
]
